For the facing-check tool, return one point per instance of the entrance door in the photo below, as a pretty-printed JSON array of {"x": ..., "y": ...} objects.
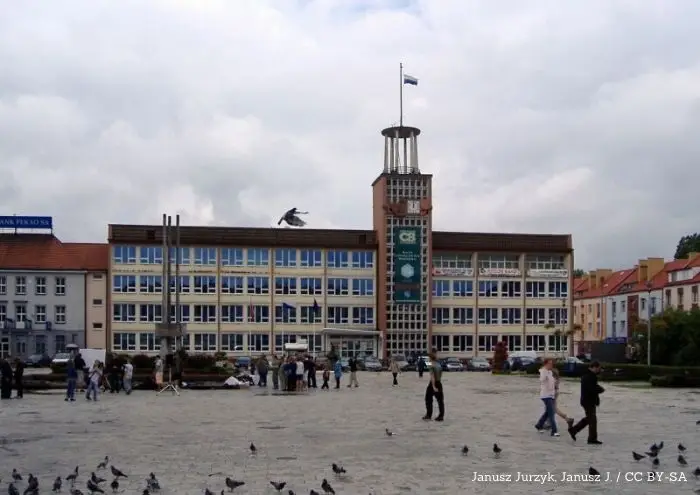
[{"x": 5, "y": 347}]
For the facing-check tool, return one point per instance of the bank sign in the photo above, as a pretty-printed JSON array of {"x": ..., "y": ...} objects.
[
  {"x": 407, "y": 265},
  {"x": 15, "y": 222}
]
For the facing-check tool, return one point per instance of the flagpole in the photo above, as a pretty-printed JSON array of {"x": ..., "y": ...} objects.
[{"x": 401, "y": 95}]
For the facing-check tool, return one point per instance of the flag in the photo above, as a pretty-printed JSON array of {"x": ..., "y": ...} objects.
[
  {"x": 251, "y": 311},
  {"x": 316, "y": 308},
  {"x": 410, "y": 80},
  {"x": 286, "y": 307}
]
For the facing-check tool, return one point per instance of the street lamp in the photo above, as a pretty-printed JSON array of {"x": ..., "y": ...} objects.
[
  {"x": 564, "y": 335},
  {"x": 649, "y": 323}
]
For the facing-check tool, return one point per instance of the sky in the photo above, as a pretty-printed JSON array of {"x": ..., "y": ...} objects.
[{"x": 543, "y": 116}]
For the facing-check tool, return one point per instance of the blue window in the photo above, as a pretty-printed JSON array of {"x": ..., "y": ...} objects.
[
  {"x": 338, "y": 259},
  {"x": 204, "y": 313},
  {"x": 184, "y": 255},
  {"x": 150, "y": 313},
  {"x": 123, "y": 255},
  {"x": 309, "y": 315},
  {"x": 151, "y": 255},
  {"x": 232, "y": 313},
  {"x": 511, "y": 316},
  {"x": 363, "y": 316},
  {"x": 124, "y": 313},
  {"x": 285, "y": 314},
  {"x": 463, "y": 316},
  {"x": 205, "y": 285},
  {"x": 363, "y": 259},
  {"x": 285, "y": 257},
  {"x": 488, "y": 316},
  {"x": 204, "y": 256},
  {"x": 232, "y": 285},
  {"x": 261, "y": 314},
  {"x": 310, "y": 286},
  {"x": 184, "y": 313},
  {"x": 232, "y": 257},
  {"x": 362, "y": 287},
  {"x": 124, "y": 284},
  {"x": 232, "y": 342},
  {"x": 559, "y": 290},
  {"x": 441, "y": 288},
  {"x": 536, "y": 289},
  {"x": 259, "y": 342},
  {"x": 462, "y": 288},
  {"x": 258, "y": 285},
  {"x": 285, "y": 285},
  {"x": 184, "y": 285},
  {"x": 338, "y": 315},
  {"x": 338, "y": 286},
  {"x": 488, "y": 288},
  {"x": 441, "y": 316},
  {"x": 150, "y": 284},
  {"x": 148, "y": 342},
  {"x": 258, "y": 257},
  {"x": 123, "y": 341},
  {"x": 310, "y": 258},
  {"x": 205, "y": 342}
]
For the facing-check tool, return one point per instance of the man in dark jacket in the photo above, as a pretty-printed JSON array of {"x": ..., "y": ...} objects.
[
  {"x": 590, "y": 400},
  {"x": 19, "y": 377}
]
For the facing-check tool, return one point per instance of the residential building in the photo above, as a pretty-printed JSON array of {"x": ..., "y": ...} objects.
[
  {"x": 399, "y": 288},
  {"x": 591, "y": 301},
  {"x": 43, "y": 288},
  {"x": 682, "y": 283}
]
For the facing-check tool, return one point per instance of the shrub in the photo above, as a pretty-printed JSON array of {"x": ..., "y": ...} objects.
[
  {"x": 143, "y": 362},
  {"x": 200, "y": 362}
]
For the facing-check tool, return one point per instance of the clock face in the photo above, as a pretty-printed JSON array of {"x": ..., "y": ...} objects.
[{"x": 413, "y": 207}]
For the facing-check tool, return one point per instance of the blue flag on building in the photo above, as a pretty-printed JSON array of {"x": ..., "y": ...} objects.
[
  {"x": 410, "y": 80},
  {"x": 316, "y": 308},
  {"x": 287, "y": 307}
]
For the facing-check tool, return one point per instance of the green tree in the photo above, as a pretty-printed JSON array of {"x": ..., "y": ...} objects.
[
  {"x": 579, "y": 273},
  {"x": 675, "y": 338},
  {"x": 688, "y": 244}
]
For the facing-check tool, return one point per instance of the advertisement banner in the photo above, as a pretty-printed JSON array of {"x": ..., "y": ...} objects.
[
  {"x": 15, "y": 222},
  {"x": 407, "y": 265}
]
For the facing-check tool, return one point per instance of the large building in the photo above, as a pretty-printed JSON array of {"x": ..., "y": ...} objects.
[
  {"x": 51, "y": 294},
  {"x": 399, "y": 288}
]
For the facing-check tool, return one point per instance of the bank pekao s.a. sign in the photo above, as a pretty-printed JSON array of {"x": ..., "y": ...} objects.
[
  {"x": 407, "y": 265},
  {"x": 17, "y": 222},
  {"x": 499, "y": 272},
  {"x": 453, "y": 272},
  {"x": 553, "y": 273}
]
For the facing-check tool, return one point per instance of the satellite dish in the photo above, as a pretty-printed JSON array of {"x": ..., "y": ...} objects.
[{"x": 291, "y": 218}]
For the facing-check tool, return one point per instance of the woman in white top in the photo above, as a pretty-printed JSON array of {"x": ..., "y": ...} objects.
[
  {"x": 548, "y": 390},
  {"x": 300, "y": 374}
]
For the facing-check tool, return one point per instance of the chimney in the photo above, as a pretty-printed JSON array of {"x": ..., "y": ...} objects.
[
  {"x": 655, "y": 266},
  {"x": 642, "y": 271},
  {"x": 599, "y": 276}
]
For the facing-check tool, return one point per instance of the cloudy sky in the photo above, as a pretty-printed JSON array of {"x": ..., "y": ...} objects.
[{"x": 574, "y": 117}]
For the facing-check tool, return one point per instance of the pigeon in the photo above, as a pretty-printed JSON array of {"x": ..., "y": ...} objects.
[
  {"x": 465, "y": 450},
  {"x": 652, "y": 453},
  {"x": 655, "y": 462},
  {"x": 207, "y": 491},
  {"x": 71, "y": 477},
  {"x": 114, "y": 485},
  {"x": 95, "y": 479},
  {"x": 16, "y": 476},
  {"x": 290, "y": 492},
  {"x": 314, "y": 492},
  {"x": 152, "y": 482},
  {"x": 12, "y": 489},
  {"x": 593, "y": 471},
  {"x": 326, "y": 487},
  {"x": 654, "y": 448},
  {"x": 496, "y": 449},
  {"x": 233, "y": 484},
  {"x": 116, "y": 472},
  {"x": 661, "y": 446},
  {"x": 94, "y": 487},
  {"x": 75, "y": 491},
  {"x": 32, "y": 485},
  {"x": 103, "y": 464},
  {"x": 388, "y": 432},
  {"x": 253, "y": 448},
  {"x": 57, "y": 483},
  {"x": 145, "y": 492},
  {"x": 279, "y": 485},
  {"x": 637, "y": 456},
  {"x": 338, "y": 470},
  {"x": 696, "y": 472},
  {"x": 697, "y": 422},
  {"x": 681, "y": 447},
  {"x": 681, "y": 460}
]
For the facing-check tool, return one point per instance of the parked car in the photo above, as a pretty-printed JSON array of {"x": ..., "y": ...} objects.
[
  {"x": 479, "y": 364},
  {"x": 243, "y": 362},
  {"x": 38, "y": 361},
  {"x": 451, "y": 364},
  {"x": 61, "y": 358},
  {"x": 371, "y": 363}
]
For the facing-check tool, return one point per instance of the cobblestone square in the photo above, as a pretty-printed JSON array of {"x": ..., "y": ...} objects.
[{"x": 186, "y": 439}]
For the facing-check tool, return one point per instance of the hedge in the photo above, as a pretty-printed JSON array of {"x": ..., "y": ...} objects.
[
  {"x": 629, "y": 372},
  {"x": 145, "y": 362}
]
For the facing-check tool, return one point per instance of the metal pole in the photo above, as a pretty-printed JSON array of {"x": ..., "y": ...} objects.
[
  {"x": 166, "y": 285},
  {"x": 169, "y": 265},
  {"x": 649, "y": 327},
  {"x": 401, "y": 95},
  {"x": 177, "y": 281}
]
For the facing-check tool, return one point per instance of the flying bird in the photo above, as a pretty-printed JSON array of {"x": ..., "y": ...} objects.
[
  {"x": 278, "y": 485},
  {"x": 637, "y": 456},
  {"x": 292, "y": 219}
]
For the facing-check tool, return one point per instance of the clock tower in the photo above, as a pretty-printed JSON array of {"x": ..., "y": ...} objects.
[{"x": 402, "y": 211}]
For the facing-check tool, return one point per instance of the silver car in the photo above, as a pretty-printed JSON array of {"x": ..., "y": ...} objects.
[
  {"x": 479, "y": 364},
  {"x": 373, "y": 364},
  {"x": 453, "y": 364}
]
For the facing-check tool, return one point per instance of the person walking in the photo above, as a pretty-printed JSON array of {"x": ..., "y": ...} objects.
[
  {"x": 547, "y": 394},
  {"x": 83, "y": 372},
  {"x": 263, "y": 367},
  {"x": 434, "y": 390},
  {"x": 569, "y": 420},
  {"x": 311, "y": 372},
  {"x": 158, "y": 372},
  {"x": 6, "y": 379},
  {"x": 93, "y": 387},
  {"x": 326, "y": 377},
  {"x": 590, "y": 400},
  {"x": 353, "y": 373},
  {"x": 420, "y": 366},
  {"x": 72, "y": 375},
  {"x": 275, "y": 370},
  {"x": 19, "y": 377},
  {"x": 128, "y": 376},
  {"x": 337, "y": 372},
  {"x": 394, "y": 368}
]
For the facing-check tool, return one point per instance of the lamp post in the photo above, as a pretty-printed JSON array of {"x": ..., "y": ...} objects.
[
  {"x": 563, "y": 329},
  {"x": 649, "y": 324}
]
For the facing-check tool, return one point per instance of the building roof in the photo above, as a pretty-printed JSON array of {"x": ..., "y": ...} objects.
[
  {"x": 611, "y": 284},
  {"x": 325, "y": 238},
  {"x": 46, "y": 252}
]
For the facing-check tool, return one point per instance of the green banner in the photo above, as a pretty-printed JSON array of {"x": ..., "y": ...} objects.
[{"x": 407, "y": 265}]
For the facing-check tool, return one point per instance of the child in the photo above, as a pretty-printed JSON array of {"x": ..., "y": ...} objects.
[
  {"x": 94, "y": 382},
  {"x": 338, "y": 373},
  {"x": 559, "y": 412},
  {"x": 326, "y": 377}
]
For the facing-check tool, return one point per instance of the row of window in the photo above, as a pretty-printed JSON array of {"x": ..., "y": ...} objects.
[
  {"x": 212, "y": 342},
  {"x": 237, "y": 313},
  {"x": 281, "y": 257},
  {"x": 487, "y": 343},
  {"x": 311, "y": 286},
  {"x": 500, "y": 288},
  {"x": 464, "y": 261},
  {"x": 40, "y": 314},
  {"x": 500, "y": 316},
  {"x": 41, "y": 344},
  {"x": 41, "y": 285}
]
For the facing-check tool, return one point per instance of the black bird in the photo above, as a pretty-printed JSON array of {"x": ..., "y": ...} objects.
[
  {"x": 103, "y": 464},
  {"x": 681, "y": 447},
  {"x": 279, "y": 485},
  {"x": 145, "y": 492},
  {"x": 465, "y": 450},
  {"x": 654, "y": 448},
  {"x": 652, "y": 453},
  {"x": 388, "y": 432},
  {"x": 116, "y": 472},
  {"x": 207, "y": 491},
  {"x": 661, "y": 445},
  {"x": 71, "y": 477},
  {"x": 655, "y": 462},
  {"x": 290, "y": 492},
  {"x": 314, "y": 492},
  {"x": 326, "y": 487},
  {"x": 233, "y": 484},
  {"x": 696, "y": 472},
  {"x": 496, "y": 449},
  {"x": 152, "y": 482},
  {"x": 114, "y": 485},
  {"x": 338, "y": 469},
  {"x": 95, "y": 479},
  {"x": 12, "y": 489},
  {"x": 57, "y": 483},
  {"x": 253, "y": 448},
  {"x": 681, "y": 460},
  {"x": 697, "y": 422},
  {"x": 16, "y": 476},
  {"x": 593, "y": 471},
  {"x": 94, "y": 487},
  {"x": 32, "y": 486},
  {"x": 637, "y": 456}
]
